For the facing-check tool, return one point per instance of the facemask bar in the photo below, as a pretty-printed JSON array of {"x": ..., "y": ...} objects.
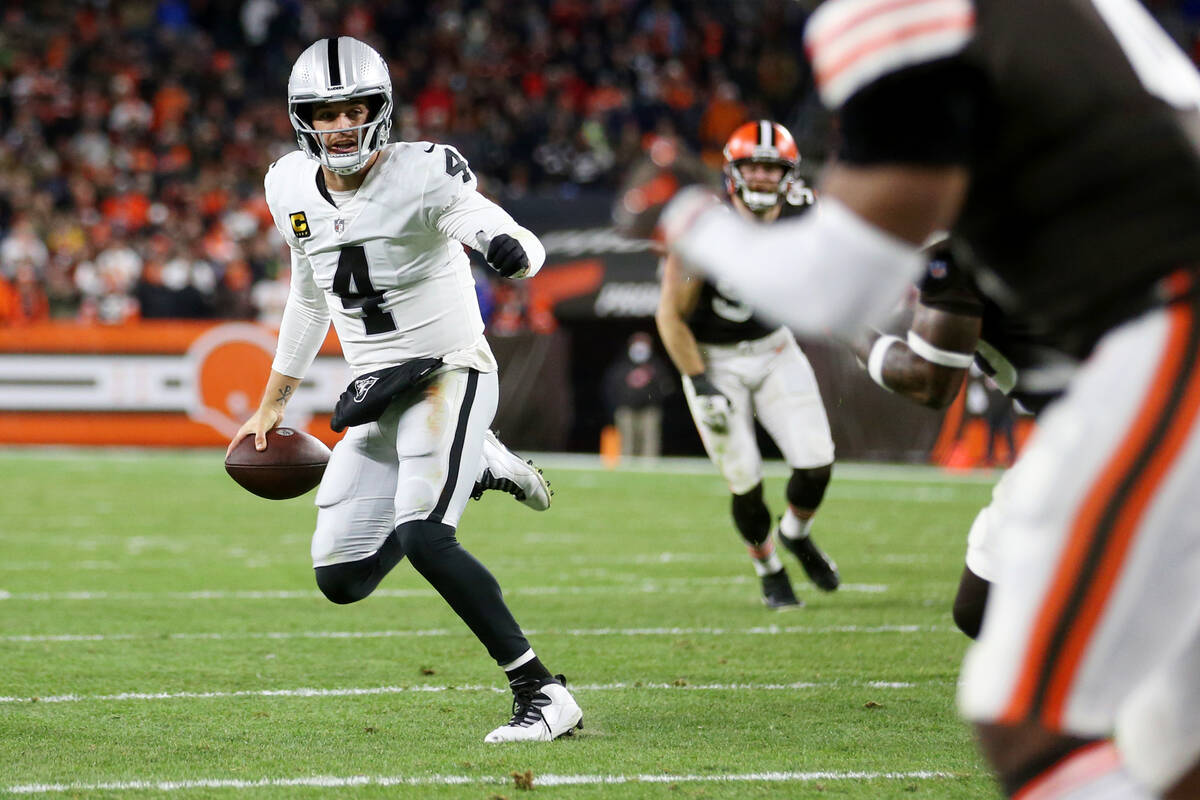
[
  {"x": 760, "y": 201},
  {"x": 371, "y": 136}
]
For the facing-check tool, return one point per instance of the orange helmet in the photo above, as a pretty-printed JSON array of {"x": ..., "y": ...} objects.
[{"x": 760, "y": 142}]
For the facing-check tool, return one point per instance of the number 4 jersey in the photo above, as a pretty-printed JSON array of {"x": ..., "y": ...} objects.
[{"x": 387, "y": 264}]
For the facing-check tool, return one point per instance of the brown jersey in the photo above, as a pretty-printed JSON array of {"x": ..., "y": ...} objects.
[{"x": 1077, "y": 120}]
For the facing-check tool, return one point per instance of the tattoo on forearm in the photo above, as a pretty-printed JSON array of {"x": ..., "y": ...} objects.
[{"x": 285, "y": 394}]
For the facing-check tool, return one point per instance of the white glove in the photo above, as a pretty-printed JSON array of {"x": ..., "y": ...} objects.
[{"x": 712, "y": 405}]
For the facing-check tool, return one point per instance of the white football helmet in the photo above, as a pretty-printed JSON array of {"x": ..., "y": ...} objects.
[{"x": 333, "y": 70}]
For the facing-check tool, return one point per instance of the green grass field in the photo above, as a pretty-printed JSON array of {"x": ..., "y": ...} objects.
[{"x": 162, "y": 636}]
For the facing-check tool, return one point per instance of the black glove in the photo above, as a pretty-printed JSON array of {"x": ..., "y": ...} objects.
[{"x": 506, "y": 255}]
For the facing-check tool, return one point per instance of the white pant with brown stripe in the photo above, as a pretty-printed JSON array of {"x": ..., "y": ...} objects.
[
  {"x": 1098, "y": 584},
  {"x": 419, "y": 461}
]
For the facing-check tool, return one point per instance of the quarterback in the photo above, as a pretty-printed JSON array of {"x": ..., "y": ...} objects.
[
  {"x": 376, "y": 232},
  {"x": 736, "y": 368},
  {"x": 1059, "y": 142}
]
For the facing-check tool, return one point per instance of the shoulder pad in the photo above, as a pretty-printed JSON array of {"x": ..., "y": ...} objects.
[{"x": 853, "y": 43}]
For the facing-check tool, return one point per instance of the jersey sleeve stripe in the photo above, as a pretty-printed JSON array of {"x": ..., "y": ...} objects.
[{"x": 857, "y": 42}]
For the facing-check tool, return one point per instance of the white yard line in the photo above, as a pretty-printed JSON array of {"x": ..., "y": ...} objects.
[
  {"x": 96, "y": 457},
  {"x": 649, "y": 586},
  {"x": 337, "y": 782},
  {"x": 638, "y": 686},
  {"x": 766, "y": 630}
]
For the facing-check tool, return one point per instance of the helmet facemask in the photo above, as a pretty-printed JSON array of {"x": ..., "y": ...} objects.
[
  {"x": 335, "y": 70},
  {"x": 371, "y": 135},
  {"x": 757, "y": 200}
]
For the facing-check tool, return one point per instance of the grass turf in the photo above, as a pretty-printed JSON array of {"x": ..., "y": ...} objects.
[{"x": 153, "y": 575}]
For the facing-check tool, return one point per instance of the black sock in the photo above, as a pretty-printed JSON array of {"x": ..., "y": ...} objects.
[
  {"x": 465, "y": 584},
  {"x": 532, "y": 670},
  {"x": 751, "y": 516}
]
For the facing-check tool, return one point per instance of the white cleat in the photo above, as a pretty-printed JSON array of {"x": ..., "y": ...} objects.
[
  {"x": 506, "y": 471},
  {"x": 542, "y": 712}
]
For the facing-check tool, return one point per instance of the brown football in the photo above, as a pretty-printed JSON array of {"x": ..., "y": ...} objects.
[{"x": 292, "y": 464}]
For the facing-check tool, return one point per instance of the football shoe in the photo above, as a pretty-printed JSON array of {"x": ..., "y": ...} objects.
[
  {"x": 820, "y": 568},
  {"x": 505, "y": 471},
  {"x": 777, "y": 592},
  {"x": 542, "y": 710}
]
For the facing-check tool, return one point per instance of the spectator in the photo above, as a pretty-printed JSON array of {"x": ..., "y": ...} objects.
[
  {"x": 559, "y": 95},
  {"x": 22, "y": 247},
  {"x": 635, "y": 386},
  {"x": 22, "y": 299}
]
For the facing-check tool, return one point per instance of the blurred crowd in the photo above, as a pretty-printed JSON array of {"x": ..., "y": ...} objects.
[{"x": 134, "y": 135}]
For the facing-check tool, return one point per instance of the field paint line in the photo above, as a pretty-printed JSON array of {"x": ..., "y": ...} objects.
[
  {"x": 95, "y": 458},
  {"x": 676, "y": 586},
  {"x": 387, "y": 690},
  {"x": 339, "y": 782},
  {"x": 766, "y": 630}
]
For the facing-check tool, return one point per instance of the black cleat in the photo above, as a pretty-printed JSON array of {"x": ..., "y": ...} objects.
[
  {"x": 819, "y": 567},
  {"x": 777, "y": 592}
]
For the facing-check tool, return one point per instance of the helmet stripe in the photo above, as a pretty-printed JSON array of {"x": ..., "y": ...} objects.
[
  {"x": 766, "y": 133},
  {"x": 335, "y": 67}
]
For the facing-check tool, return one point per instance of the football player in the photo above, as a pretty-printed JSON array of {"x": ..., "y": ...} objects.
[
  {"x": 1060, "y": 142},
  {"x": 376, "y": 232},
  {"x": 737, "y": 368},
  {"x": 954, "y": 326}
]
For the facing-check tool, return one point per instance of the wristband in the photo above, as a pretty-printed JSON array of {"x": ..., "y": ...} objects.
[
  {"x": 702, "y": 385},
  {"x": 936, "y": 355},
  {"x": 878, "y": 354}
]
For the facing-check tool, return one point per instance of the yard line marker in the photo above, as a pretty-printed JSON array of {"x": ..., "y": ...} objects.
[
  {"x": 362, "y": 691},
  {"x": 337, "y": 782},
  {"x": 679, "y": 586},
  {"x": 99, "y": 459},
  {"x": 767, "y": 630}
]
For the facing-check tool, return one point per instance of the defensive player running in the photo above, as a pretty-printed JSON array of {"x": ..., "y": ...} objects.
[
  {"x": 736, "y": 368},
  {"x": 376, "y": 233},
  {"x": 1060, "y": 142},
  {"x": 953, "y": 326}
]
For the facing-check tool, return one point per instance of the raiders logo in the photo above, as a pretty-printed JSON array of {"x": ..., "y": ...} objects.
[
  {"x": 300, "y": 225},
  {"x": 362, "y": 386}
]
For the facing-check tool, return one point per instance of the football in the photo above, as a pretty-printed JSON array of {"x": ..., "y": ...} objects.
[{"x": 292, "y": 464}]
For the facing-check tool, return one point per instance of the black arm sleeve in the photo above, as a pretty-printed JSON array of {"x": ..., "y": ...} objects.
[{"x": 927, "y": 114}]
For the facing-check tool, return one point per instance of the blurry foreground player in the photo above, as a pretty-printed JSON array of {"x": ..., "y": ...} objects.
[
  {"x": 954, "y": 326},
  {"x": 376, "y": 233},
  {"x": 1060, "y": 141},
  {"x": 736, "y": 368}
]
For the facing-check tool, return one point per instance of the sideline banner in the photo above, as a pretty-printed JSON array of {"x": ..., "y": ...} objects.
[{"x": 176, "y": 384}]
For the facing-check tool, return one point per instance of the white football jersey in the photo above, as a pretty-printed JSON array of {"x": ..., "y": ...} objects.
[{"x": 387, "y": 265}]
